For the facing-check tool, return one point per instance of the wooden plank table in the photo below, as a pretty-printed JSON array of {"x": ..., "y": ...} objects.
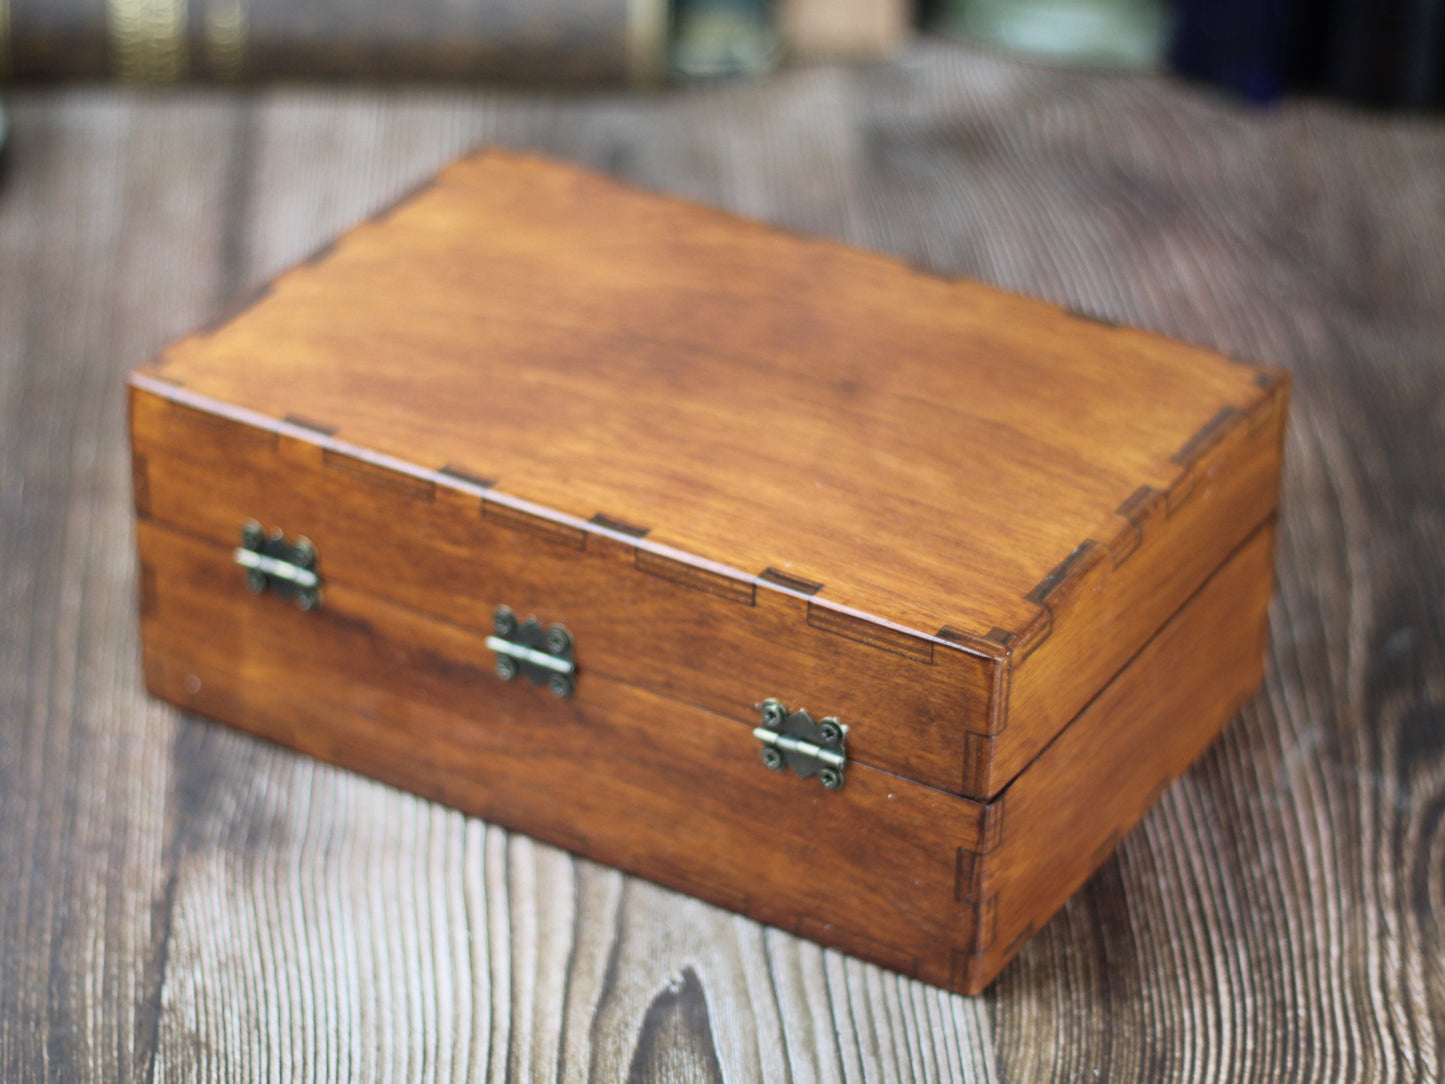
[{"x": 178, "y": 902}]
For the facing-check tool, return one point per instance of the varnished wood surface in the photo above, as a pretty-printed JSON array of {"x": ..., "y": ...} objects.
[
  {"x": 931, "y": 465},
  {"x": 179, "y": 902}
]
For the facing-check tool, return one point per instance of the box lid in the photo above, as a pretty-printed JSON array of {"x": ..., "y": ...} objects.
[{"x": 996, "y": 501}]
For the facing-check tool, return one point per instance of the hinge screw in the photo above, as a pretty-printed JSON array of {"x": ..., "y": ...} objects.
[
  {"x": 504, "y": 621},
  {"x": 830, "y": 778},
  {"x": 772, "y": 759},
  {"x": 773, "y": 712},
  {"x": 506, "y": 667},
  {"x": 558, "y": 640},
  {"x": 830, "y": 732},
  {"x": 561, "y": 686}
]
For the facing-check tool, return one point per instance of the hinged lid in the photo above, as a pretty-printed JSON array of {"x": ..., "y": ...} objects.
[{"x": 733, "y": 463}]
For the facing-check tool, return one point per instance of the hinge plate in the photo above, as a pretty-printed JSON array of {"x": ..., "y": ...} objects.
[
  {"x": 272, "y": 563},
  {"x": 543, "y": 656},
  {"x": 794, "y": 740}
]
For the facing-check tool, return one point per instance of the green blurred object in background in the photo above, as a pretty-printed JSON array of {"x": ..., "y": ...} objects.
[
  {"x": 1094, "y": 33},
  {"x": 713, "y": 38}
]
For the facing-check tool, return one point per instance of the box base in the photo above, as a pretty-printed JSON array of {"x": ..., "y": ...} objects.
[{"x": 935, "y": 886}]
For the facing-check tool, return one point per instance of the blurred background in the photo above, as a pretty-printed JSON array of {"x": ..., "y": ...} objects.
[
  {"x": 1384, "y": 53},
  {"x": 1262, "y": 177}
]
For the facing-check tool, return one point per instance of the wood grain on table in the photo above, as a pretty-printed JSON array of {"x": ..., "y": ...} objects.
[{"x": 180, "y": 902}]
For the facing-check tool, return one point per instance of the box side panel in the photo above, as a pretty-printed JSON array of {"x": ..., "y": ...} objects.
[
  {"x": 1064, "y": 815},
  {"x": 625, "y": 776},
  {"x": 1102, "y": 605},
  {"x": 440, "y": 543}
]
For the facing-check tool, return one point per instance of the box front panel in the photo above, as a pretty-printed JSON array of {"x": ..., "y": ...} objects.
[
  {"x": 442, "y": 545},
  {"x": 633, "y": 779}
]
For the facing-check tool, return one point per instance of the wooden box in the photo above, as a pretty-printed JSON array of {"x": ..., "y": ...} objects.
[{"x": 975, "y": 577}]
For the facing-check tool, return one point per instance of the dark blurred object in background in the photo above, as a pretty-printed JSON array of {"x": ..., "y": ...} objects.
[
  {"x": 1253, "y": 47},
  {"x": 1388, "y": 53},
  {"x": 555, "y": 42},
  {"x": 558, "y": 42},
  {"x": 161, "y": 41},
  {"x": 1375, "y": 52}
]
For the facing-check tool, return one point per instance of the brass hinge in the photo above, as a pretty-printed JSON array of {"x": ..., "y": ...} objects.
[
  {"x": 272, "y": 563},
  {"x": 540, "y": 655},
  {"x": 809, "y": 748}
]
